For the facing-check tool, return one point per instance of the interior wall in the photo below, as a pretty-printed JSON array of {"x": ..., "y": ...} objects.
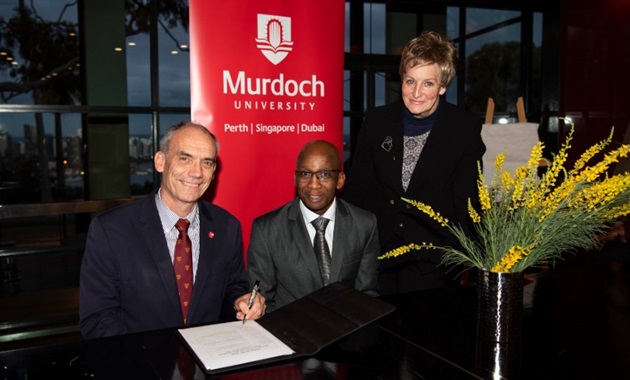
[{"x": 594, "y": 70}]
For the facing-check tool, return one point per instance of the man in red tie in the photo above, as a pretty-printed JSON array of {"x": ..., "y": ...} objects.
[{"x": 170, "y": 259}]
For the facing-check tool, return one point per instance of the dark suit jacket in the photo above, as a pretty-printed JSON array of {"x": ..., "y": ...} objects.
[
  {"x": 281, "y": 253},
  {"x": 127, "y": 277},
  {"x": 444, "y": 178}
]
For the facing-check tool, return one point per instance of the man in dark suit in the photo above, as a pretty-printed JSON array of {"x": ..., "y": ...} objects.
[
  {"x": 281, "y": 253},
  {"x": 128, "y": 281}
]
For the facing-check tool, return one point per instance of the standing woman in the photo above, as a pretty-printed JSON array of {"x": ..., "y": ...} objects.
[{"x": 422, "y": 148}]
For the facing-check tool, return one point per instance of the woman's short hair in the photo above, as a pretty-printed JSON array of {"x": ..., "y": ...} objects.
[{"x": 429, "y": 48}]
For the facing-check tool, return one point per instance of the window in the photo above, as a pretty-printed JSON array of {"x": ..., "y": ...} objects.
[{"x": 152, "y": 90}]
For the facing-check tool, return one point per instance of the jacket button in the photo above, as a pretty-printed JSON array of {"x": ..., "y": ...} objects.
[
  {"x": 401, "y": 225},
  {"x": 391, "y": 201},
  {"x": 408, "y": 205}
]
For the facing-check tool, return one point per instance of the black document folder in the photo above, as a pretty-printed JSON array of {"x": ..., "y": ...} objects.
[{"x": 315, "y": 321}]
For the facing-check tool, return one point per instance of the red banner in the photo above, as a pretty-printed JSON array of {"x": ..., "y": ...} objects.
[{"x": 266, "y": 77}]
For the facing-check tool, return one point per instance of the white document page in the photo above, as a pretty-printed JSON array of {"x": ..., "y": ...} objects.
[{"x": 233, "y": 343}]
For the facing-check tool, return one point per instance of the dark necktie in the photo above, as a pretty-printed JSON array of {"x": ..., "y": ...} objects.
[
  {"x": 183, "y": 266},
  {"x": 321, "y": 248}
]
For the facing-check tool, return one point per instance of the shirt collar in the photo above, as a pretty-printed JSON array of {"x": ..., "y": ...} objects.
[
  {"x": 169, "y": 218},
  {"x": 309, "y": 215}
]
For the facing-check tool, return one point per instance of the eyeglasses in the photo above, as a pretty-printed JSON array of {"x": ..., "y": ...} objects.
[{"x": 322, "y": 175}]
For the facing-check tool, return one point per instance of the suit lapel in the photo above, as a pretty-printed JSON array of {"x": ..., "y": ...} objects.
[
  {"x": 207, "y": 257},
  {"x": 340, "y": 240},
  {"x": 302, "y": 240},
  {"x": 393, "y": 131}
]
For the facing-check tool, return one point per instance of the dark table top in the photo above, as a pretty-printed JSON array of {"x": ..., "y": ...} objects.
[
  {"x": 576, "y": 325},
  {"x": 370, "y": 353},
  {"x": 576, "y": 322}
]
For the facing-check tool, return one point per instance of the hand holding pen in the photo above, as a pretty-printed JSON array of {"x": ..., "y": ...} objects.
[{"x": 250, "y": 303}]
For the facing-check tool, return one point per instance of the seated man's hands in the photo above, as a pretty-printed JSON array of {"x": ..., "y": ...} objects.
[{"x": 257, "y": 310}]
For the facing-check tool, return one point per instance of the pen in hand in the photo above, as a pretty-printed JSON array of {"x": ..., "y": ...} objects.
[{"x": 250, "y": 303}]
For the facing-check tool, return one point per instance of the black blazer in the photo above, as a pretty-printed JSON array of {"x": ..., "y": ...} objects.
[
  {"x": 444, "y": 178},
  {"x": 127, "y": 277}
]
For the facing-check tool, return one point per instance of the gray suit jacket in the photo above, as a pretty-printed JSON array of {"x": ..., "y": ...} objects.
[{"x": 281, "y": 254}]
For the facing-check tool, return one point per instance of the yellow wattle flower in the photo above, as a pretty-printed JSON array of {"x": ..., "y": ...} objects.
[
  {"x": 591, "y": 173},
  {"x": 484, "y": 196},
  {"x": 551, "y": 203},
  {"x": 551, "y": 176},
  {"x": 499, "y": 161},
  {"x": 617, "y": 212},
  {"x": 520, "y": 176},
  {"x": 507, "y": 182},
  {"x": 404, "y": 249},
  {"x": 590, "y": 153},
  {"x": 515, "y": 253},
  {"x": 535, "y": 157},
  {"x": 474, "y": 215},
  {"x": 428, "y": 211},
  {"x": 600, "y": 194},
  {"x": 482, "y": 188}
]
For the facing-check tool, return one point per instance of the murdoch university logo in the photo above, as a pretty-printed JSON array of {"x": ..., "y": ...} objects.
[{"x": 274, "y": 37}]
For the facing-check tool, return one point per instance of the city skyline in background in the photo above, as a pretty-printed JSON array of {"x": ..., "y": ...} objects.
[{"x": 16, "y": 151}]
